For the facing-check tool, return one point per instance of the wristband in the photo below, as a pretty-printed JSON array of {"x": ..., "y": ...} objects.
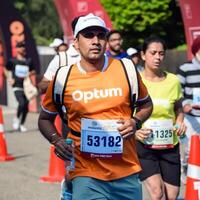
[
  {"x": 138, "y": 123},
  {"x": 54, "y": 138}
]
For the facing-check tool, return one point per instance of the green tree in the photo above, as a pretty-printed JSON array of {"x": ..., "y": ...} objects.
[
  {"x": 42, "y": 18},
  {"x": 138, "y": 19}
]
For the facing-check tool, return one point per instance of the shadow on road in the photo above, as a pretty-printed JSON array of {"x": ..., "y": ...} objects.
[{"x": 22, "y": 156}]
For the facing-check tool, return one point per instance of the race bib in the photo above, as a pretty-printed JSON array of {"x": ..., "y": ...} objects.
[
  {"x": 162, "y": 134},
  {"x": 196, "y": 96},
  {"x": 100, "y": 138},
  {"x": 21, "y": 71}
]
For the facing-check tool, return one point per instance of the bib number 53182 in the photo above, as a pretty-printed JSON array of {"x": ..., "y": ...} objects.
[{"x": 109, "y": 141}]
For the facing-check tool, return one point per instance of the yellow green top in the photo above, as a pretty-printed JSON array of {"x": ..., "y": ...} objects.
[{"x": 164, "y": 94}]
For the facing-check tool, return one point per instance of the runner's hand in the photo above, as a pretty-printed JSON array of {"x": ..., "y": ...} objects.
[
  {"x": 142, "y": 134},
  {"x": 180, "y": 128},
  {"x": 11, "y": 81},
  {"x": 62, "y": 150},
  {"x": 128, "y": 128},
  {"x": 187, "y": 108}
]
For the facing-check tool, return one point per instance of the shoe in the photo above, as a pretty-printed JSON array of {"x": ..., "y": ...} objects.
[
  {"x": 22, "y": 128},
  {"x": 16, "y": 124}
]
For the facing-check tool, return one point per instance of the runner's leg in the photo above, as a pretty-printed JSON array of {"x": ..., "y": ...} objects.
[
  {"x": 155, "y": 187},
  {"x": 170, "y": 162},
  {"x": 171, "y": 191}
]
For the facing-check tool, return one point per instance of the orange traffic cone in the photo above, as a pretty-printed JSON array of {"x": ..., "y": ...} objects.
[
  {"x": 4, "y": 156},
  {"x": 56, "y": 168},
  {"x": 193, "y": 172},
  {"x": 56, "y": 165}
]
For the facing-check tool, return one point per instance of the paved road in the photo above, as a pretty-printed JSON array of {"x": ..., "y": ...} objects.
[{"x": 19, "y": 179}]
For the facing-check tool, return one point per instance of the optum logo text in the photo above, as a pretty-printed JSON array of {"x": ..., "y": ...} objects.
[{"x": 86, "y": 96}]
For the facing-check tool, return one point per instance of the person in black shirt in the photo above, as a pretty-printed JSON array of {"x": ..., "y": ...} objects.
[{"x": 20, "y": 67}]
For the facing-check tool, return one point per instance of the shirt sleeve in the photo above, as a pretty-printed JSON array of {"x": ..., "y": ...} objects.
[
  {"x": 47, "y": 103},
  {"x": 52, "y": 68},
  {"x": 182, "y": 78}
]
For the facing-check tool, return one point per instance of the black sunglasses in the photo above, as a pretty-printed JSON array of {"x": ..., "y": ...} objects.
[{"x": 90, "y": 34}]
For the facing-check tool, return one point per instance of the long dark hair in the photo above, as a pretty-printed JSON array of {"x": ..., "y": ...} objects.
[{"x": 152, "y": 39}]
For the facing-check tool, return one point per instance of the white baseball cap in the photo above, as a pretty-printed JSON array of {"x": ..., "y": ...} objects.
[
  {"x": 56, "y": 43},
  {"x": 88, "y": 21},
  {"x": 131, "y": 51}
]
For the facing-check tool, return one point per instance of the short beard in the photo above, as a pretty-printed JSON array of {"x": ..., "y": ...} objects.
[
  {"x": 116, "y": 51},
  {"x": 94, "y": 60}
]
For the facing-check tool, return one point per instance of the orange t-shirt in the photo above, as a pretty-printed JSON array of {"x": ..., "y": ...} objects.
[{"x": 99, "y": 95}]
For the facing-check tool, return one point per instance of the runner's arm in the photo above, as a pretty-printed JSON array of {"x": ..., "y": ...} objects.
[
  {"x": 129, "y": 127},
  {"x": 8, "y": 75},
  {"x": 181, "y": 127},
  {"x": 49, "y": 74},
  {"x": 144, "y": 108},
  {"x": 144, "y": 105},
  {"x": 43, "y": 85},
  {"x": 48, "y": 130}
]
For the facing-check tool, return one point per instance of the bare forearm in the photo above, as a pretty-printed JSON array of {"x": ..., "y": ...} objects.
[
  {"x": 32, "y": 72},
  {"x": 48, "y": 130},
  {"x": 46, "y": 126},
  {"x": 6, "y": 73},
  {"x": 180, "y": 117},
  {"x": 129, "y": 127},
  {"x": 179, "y": 111},
  {"x": 144, "y": 111},
  {"x": 180, "y": 125},
  {"x": 43, "y": 85}
]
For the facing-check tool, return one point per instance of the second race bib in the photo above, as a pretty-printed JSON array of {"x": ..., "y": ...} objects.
[
  {"x": 21, "y": 71},
  {"x": 162, "y": 135}
]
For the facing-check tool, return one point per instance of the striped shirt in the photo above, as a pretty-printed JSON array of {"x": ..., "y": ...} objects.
[{"x": 189, "y": 76}]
